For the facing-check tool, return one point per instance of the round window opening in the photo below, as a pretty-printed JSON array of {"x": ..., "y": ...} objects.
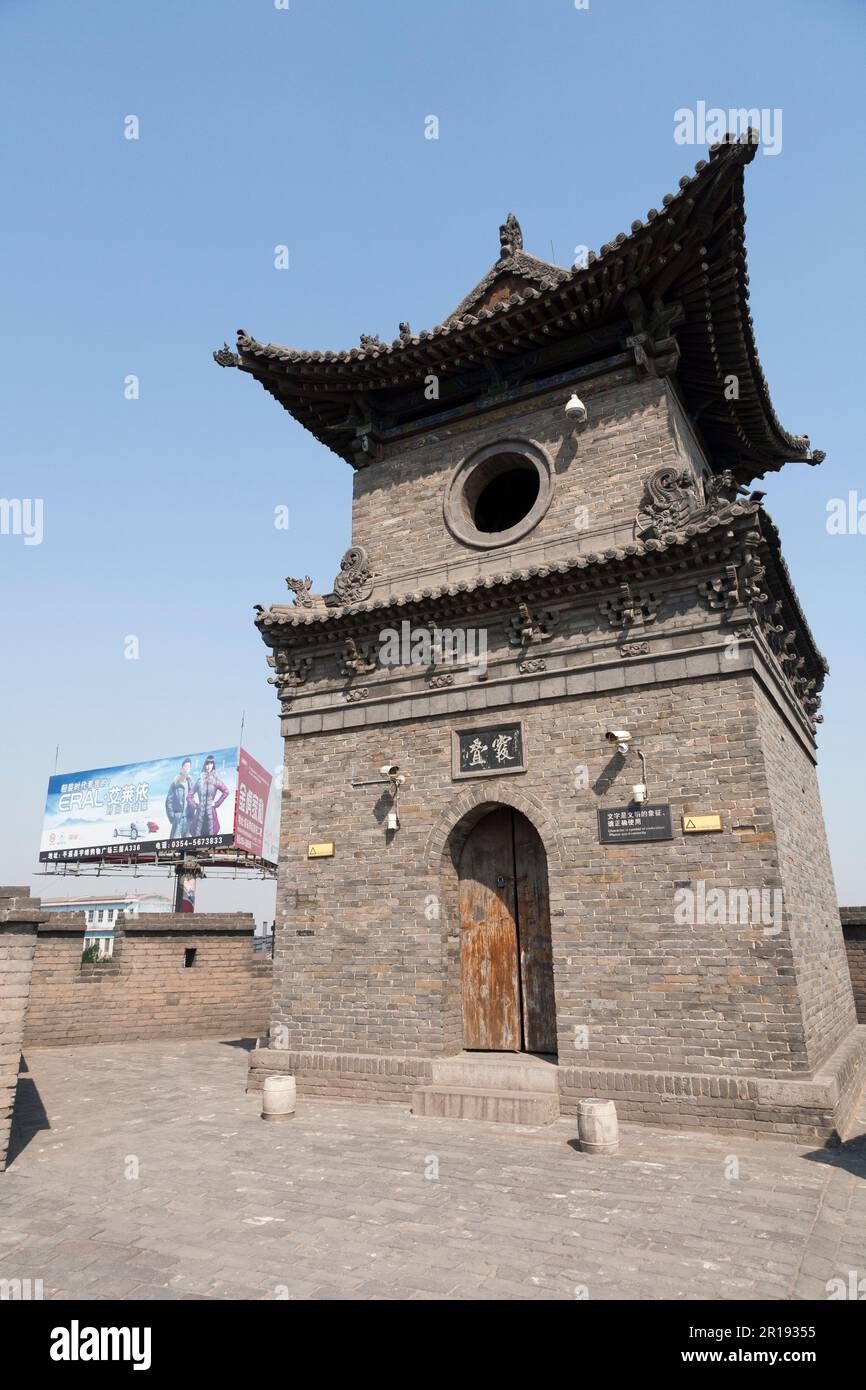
[
  {"x": 498, "y": 494},
  {"x": 505, "y": 499}
]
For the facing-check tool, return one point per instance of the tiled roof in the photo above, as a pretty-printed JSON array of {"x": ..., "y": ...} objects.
[
  {"x": 516, "y": 273},
  {"x": 289, "y": 626},
  {"x": 689, "y": 251},
  {"x": 294, "y": 616}
]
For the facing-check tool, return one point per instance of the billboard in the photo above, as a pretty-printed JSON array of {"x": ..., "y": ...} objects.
[{"x": 205, "y": 801}]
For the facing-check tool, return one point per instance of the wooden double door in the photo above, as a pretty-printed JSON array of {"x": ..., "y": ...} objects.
[{"x": 508, "y": 998}]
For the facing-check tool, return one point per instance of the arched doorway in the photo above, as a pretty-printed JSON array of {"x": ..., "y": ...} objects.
[{"x": 506, "y": 955}]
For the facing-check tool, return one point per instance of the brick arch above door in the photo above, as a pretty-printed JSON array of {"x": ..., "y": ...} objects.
[{"x": 468, "y": 807}]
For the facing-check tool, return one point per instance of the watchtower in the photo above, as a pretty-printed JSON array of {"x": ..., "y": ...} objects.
[{"x": 566, "y": 621}]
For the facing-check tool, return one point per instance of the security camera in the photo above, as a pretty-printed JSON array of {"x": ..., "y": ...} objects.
[
  {"x": 621, "y": 737},
  {"x": 575, "y": 408},
  {"x": 389, "y": 769}
]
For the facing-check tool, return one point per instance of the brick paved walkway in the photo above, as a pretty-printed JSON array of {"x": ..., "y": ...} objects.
[{"x": 343, "y": 1202}]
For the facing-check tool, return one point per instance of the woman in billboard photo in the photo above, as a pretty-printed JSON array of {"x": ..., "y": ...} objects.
[
  {"x": 208, "y": 795},
  {"x": 178, "y": 803}
]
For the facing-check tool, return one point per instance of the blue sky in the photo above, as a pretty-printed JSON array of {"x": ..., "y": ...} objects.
[{"x": 305, "y": 127}]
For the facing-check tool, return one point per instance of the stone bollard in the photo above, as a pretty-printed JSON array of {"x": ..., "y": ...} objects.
[
  {"x": 597, "y": 1128},
  {"x": 278, "y": 1098}
]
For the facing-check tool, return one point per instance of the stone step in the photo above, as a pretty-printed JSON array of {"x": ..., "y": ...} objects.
[
  {"x": 470, "y": 1103},
  {"x": 497, "y": 1071}
]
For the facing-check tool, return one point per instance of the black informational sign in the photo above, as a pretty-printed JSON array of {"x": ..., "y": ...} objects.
[
  {"x": 628, "y": 825},
  {"x": 497, "y": 749}
]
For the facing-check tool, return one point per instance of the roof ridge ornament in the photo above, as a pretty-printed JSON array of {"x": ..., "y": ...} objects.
[
  {"x": 673, "y": 501},
  {"x": 301, "y": 590},
  {"x": 224, "y": 357},
  {"x": 510, "y": 237},
  {"x": 354, "y": 583}
]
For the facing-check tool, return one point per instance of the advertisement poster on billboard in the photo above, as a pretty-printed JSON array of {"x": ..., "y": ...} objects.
[
  {"x": 271, "y": 834},
  {"x": 252, "y": 829},
  {"x": 186, "y": 802}
]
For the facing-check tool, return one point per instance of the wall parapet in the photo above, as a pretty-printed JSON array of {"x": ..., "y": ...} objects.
[
  {"x": 173, "y": 976},
  {"x": 20, "y": 918}
]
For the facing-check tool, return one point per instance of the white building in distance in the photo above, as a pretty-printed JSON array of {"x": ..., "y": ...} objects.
[{"x": 101, "y": 914}]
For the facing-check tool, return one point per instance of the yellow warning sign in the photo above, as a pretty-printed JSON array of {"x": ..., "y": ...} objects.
[
  {"x": 321, "y": 851},
  {"x": 694, "y": 824}
]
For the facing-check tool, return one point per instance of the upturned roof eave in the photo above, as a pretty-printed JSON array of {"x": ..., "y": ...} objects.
[{"x": 693, "y": 248}]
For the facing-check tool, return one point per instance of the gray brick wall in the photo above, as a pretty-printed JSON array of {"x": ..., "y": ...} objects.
[
  {"x": 811, "y": 905},
  {"x": 146, "y": 991},
  {"x": 398, "y": 502},
  {"x": 19, "y": 918},
  {"x": 381, "y": 971}
]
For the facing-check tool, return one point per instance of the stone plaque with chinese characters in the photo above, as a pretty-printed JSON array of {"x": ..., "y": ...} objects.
[
  {"x": 482, "y": 752},
  {"x": 619, "y": 825}
]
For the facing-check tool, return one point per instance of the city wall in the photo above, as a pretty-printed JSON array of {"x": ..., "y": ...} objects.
[
  {"x": 20, "y": 917},
  {"x": 171, "y": 976}
]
